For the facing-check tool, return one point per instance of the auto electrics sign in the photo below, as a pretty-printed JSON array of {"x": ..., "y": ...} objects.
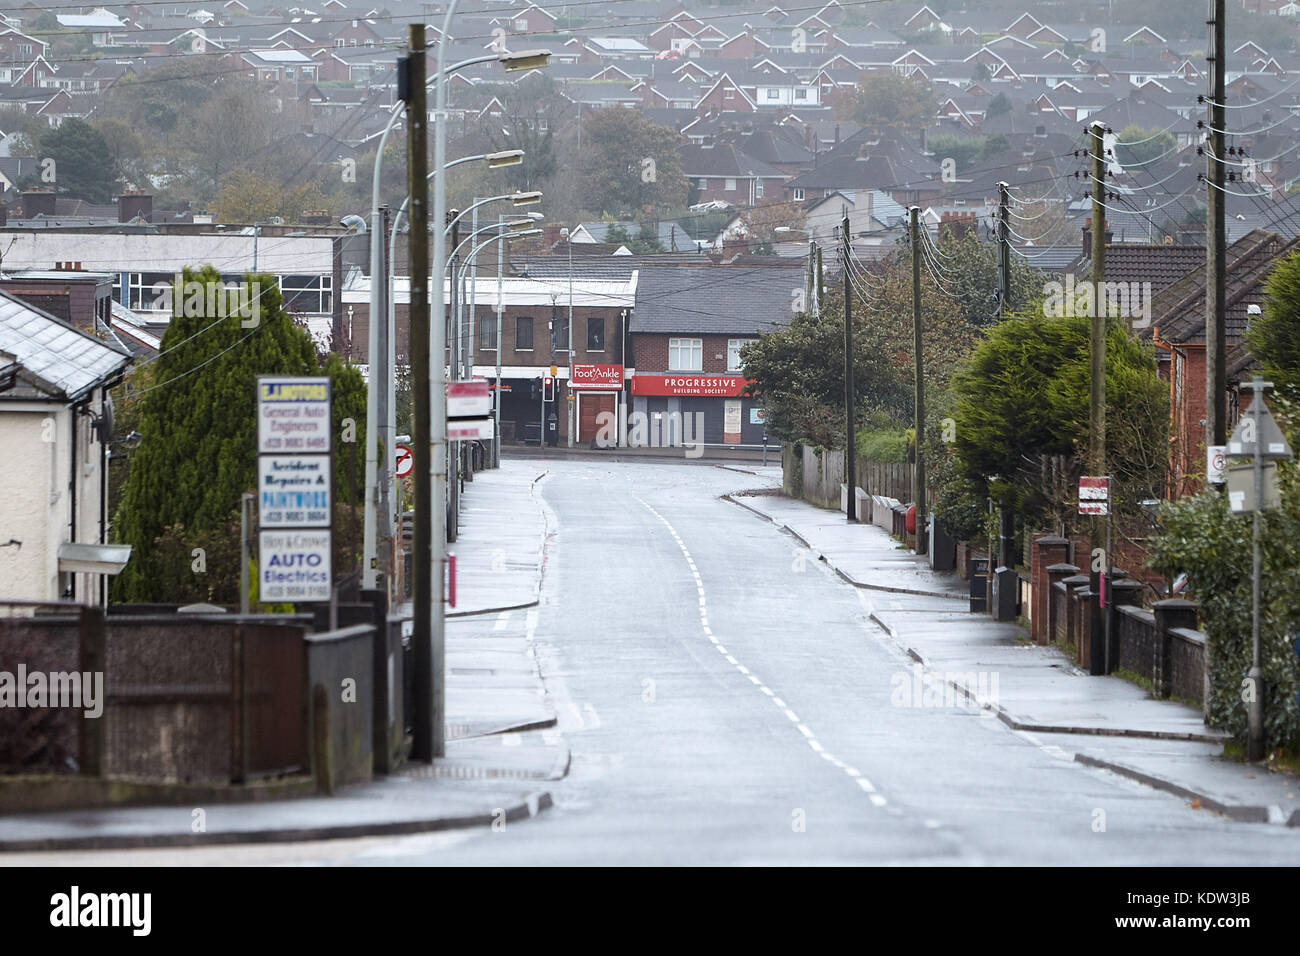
[{"x": 294, "y": 566}]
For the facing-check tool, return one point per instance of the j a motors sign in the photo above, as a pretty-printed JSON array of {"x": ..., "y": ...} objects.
[
  {"x": 600, "y": 377},
  {"x": 708, "y": 386}
]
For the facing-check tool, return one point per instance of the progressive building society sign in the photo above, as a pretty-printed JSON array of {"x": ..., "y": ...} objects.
[{"x": 294, "y": 489}]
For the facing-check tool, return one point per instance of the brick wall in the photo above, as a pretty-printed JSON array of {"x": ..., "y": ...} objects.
[
  {"x": 541, "y": 353},
  {"x": 650, "y": 351}
]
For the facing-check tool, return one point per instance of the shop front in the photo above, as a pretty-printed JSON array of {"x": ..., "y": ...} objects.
[
  {"x": 597, "y": 390},
  {"x": 698, "y": 407}
]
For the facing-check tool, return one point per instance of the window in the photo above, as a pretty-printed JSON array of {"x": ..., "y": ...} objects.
[
  {"x": 730, "y": 186},
  {"x": 685, "y": 355},
  {"x": 521, "y": 25},
  {"x": 801, "y": 94},
  {"x": 798, "y": 195},
  {"x": 487, "y": 334},
  {"x": 773, "y": 94},
  {"x": 596, "y": 334},
  {"x": 523, "y": 334},
  {"x": 559, "y": 335},
  {"x": 758, "y": 189},
  {"x": 307, "y": 294},
  {"x": 704, "y": 182},
  {"x": 733, "y": 353},
  {"x": 339, "y": 41}
]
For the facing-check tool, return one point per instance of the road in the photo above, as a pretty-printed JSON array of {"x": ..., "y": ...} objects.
[{"x": 728, "y": 702}]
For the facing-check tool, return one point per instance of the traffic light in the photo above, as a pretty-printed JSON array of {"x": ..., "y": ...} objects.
[
  {"x": 548, "y": 389},
  {"x": 535, "y": 392}
]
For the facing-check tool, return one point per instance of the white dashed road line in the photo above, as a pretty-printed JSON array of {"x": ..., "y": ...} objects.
[{"x": 809, "y": 737}]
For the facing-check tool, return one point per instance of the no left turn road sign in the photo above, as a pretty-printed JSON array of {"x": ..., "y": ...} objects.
[{"x": 405, "y": 461}]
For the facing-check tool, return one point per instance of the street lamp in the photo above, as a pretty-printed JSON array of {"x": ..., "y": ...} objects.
[
  {"x": 379, "y": 400},
  {"x": 526, "y": 60},
  {"x": 569, "y": 388}
]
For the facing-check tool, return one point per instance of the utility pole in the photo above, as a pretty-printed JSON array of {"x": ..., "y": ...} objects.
[
  {"x": 821, "y": 279},
  {"x": 426, "y": 346},
  {"x": 568, "y": 386},
  {"x": 453, "y": 451},
  {"x": 850, "y": 443},
  {"x": 918, "y": 468},
  {"x": 496, "y": 405},
  {"x": 811, "y": 304},
  {"x": 467, "y": 454},
  {"x": 1097, "y": 339},
  {"x": 1004, "y": 249},
  {"x": 383, "y": 368},
  {"x": 1099, "y": 621},
  {"x": 1006, "y": 519},
  {"x": 1216, "y": 243}
]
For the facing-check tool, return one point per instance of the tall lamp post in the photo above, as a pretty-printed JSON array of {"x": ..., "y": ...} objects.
[
  {"x": 429, "y": 623},
  {"x": 380, "y": 339},
  {"x": 509, "y": 157}
]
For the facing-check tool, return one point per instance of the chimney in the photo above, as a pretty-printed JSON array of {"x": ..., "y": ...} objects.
[
  {"x": 1087, "y": 237},
  {"x": 133, "y": 203},
  {"x": 38, "y": 202}
]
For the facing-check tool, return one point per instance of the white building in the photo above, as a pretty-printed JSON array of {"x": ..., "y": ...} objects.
[{"x": 54, "y": 418}]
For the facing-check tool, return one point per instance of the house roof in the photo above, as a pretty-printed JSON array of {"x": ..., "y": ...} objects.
[
  {"x": 724, "y": 160},
  {"x": 1179, "y": 311},
  {"x": 715, "y": 299},
  {"x": 56, "y": 358},
  {"x": 1161, "y": 265}
]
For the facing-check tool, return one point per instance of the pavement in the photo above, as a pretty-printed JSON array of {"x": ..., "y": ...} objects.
[
  {"x": 722, "y": 697},
  {"x": 502, "y": 749},
  {"x": 1030, "y": 688}
]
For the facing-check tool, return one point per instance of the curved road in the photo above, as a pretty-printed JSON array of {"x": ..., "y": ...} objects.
[{"x": 728, "y": 702}]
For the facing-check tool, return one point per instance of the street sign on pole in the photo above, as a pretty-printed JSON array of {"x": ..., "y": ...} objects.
[
  {"x": 294, "y": 565},
  {"x": 1094, "y": 495},
  {"x": 469, "y": 429},
  {"x": 294, "y": 491},
  {"x": 472, "y": 399},
  {"x": 1216, "y": 463},
  {"x": 1241, "y": 489},
  {"x": 405, "y": 461},
  {"x": 293, "y": 415},
  {"x": 294, "y": 484}
]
